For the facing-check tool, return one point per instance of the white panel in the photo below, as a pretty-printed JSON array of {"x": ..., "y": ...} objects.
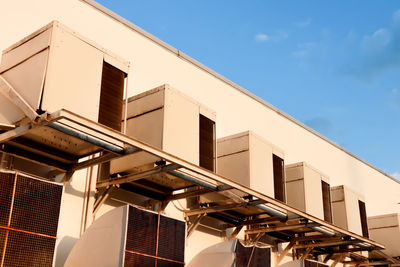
[
  {"x": 353, "y": 212},
  {"x": 313, "y": 192},
  {"x": 233, "y": 144},
  {"x": 147, "y": 128},
  {"x": 339, "y": 214},
  {"x": 181, "y": 127},
  {"x": 261, "y": 166},
  {"x": 295, "y": 194},
  {"x": 74, "y": 76},
  {"x": 27, "y": 78},
  {"x": 145, "y": 102},
  {"x": 236, "y": 167},
  {"x": 25, "y": 50}
]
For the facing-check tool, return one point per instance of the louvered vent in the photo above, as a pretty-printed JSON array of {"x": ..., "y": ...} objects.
[
  {"x": 29, "y": 211},
  {"x": 154, "y": 240},
  {"x": 252, "y": 256}
]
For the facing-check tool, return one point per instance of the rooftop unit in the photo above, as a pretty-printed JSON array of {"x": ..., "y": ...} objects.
[
  {"x": 348, "y": 209},
  {"x": 169, "y": 120},
  {"x": 29, "y": 219},
  {"x": 250, "y": 160},
  {"x": 308, "y": 190},
  {"x": 129, "y": 236},
  {"x": 233, "y": 253},
  {"x": 386, "y": 230},
  {"x": 56, "y": 68}
]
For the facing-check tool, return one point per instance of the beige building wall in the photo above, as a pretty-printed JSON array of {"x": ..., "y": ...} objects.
[{"x": 153, "y": 64}]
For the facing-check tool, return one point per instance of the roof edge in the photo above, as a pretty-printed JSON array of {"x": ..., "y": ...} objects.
[{"x": 182, "y": 55}]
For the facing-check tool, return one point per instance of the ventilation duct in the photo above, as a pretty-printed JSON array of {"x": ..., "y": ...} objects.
[
  {"x": 349, "y": 211},
  {"x": 55, "y": 68},
  {"x": 308, "y": 190},
  {"x": 385, "y": 229},
  {"x": 233, "y": 253},
  {"x": 129, "y": 236},
  {"x": 251, "y": 161}
]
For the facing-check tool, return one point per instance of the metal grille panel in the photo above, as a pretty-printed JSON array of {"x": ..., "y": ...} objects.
[
  {"x": 142, "y": 231},
  {"x": 6, "y": 189},
  {"x": 162, "y": 263},
  {"x": 28, "y": 250},
  {"x": 2, "y": 239},
  {"x": 258, "y": 257},
  {"x": 36, "y": 206},
  {"x": 171, "y": 244},
  {"x": 135, "y": 260}
]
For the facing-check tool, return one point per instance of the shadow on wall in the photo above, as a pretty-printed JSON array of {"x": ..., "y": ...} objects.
[{"x": 63, "y": 249}]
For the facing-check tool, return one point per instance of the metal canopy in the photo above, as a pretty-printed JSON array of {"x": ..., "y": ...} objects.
[{"x": 68, "y": 142}]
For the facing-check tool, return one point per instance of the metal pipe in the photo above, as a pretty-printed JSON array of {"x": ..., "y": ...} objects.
[
  {"x": 272, "y": 211},
  {"x": 87, "y": 138},
  {"x": 193, "y": 180},
  {"x": 322, "y": 231}
]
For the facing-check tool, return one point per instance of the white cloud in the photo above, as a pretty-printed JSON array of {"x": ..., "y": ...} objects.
[
  {"x": 262, "y": 37},
  {"x": 396, "y": 175},
  {"x": 303, "y": 23},
  {"x": 279, "y": 36},
  {"x": 299, "y": 53}
]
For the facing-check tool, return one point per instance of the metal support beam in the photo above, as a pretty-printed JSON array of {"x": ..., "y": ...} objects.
[
  {"x": 235, "y": 232},
  {"x": 194, "y": 225},
  {"x": 306, "y": 253},
  {"x": 100, "y": 200},
  {"x": 279, "y": 228},
  {"x": 136, "y": 176},
  {"x": 223, "y": 207},
  {"x": 338, "y": 259},
  {"x": 327, "y": 244},
  {"x": 9, "y": 91},
  {"x": 91, "y": 162},
  {"x": 285, "y": 251}
]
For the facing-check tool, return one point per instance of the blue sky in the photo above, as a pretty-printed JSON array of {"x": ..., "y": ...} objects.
[{"x": 334, "y": 66}]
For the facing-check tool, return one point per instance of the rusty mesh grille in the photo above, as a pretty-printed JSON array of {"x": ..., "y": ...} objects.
[
  {"x": 29, "y": 237},
  {"x": 6, "y": 189},
  {"x": 142, "y": 231},
  {"x": 162, "y": 263},
  {"x": 171, "y": 243},
  {"x": 132, "y": 259},
  {"x": 258, "y": 257},
  {"x": 141, "y": 240},
  {"x": 36, "y": 206},
  {"x": 28, "y": 250}
]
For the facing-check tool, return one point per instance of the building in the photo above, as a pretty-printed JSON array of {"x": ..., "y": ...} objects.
[{"x": 106, "y": 37}]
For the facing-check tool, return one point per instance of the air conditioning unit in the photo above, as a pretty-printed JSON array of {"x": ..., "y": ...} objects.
[
  {"x": 385, "y": 229},
  {"x": 29, "y": 219},
  {"x": 233, "y": 253},
  {"x": 303, "y": 263},
  {"x": 129, "y": 236},
  {"x": 55, "y": 68},
  {"x": 250, "y": 160},
  {"x": 308, "y": 190},
  {"x": 348, "y": 210},
  {"x": 169, "y": 120}
]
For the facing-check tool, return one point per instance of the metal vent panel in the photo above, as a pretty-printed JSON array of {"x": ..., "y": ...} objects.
[
  {"x": 171, "y": 243},
  {"x": 258, "y": 257},
  {"x": 132, "y": 260},
  {"x": 36, "y": 206},
  {"x": 6, "y": 186},
  {"x": 28, "y": 250},
  {"x": 163, "y": 263},
  {"x": 142, "y": 231}
]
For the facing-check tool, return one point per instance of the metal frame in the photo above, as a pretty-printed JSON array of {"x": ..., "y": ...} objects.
[{"x": 267, "y": 216}]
